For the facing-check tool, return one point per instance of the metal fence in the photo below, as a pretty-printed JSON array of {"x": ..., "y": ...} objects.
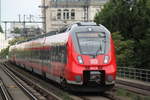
[{"x": 134, "y": 73}]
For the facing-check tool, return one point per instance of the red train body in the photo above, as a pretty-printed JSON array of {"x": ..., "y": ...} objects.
[{"x": 81, "y": 56}]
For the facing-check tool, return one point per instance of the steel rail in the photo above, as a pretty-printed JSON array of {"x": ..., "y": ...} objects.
[
  {"x": 133, "y": 87},
  {"x": 74, "y": 96},
  {"x": 37, "y": 87},
  {"x": 16, "y": 80},
  {"x": 4, "y": 92}
]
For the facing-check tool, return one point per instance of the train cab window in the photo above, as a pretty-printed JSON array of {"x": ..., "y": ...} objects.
[{"x": 91, "y": 43}]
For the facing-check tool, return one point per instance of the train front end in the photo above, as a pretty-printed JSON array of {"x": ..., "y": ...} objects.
[{"x": 91, "y": 58}]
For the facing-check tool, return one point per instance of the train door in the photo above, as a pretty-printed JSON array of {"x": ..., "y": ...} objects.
[
  {"x": 44, "y": 56},
  {"x": 63, "y": 59}
]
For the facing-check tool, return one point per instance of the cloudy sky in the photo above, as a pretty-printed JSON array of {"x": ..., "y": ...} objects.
[{"x": 12, "y": 8}]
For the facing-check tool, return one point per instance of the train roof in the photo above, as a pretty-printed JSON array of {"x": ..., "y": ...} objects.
[
  {"x": 86, "y": 24},
  {"x": 64, "y": 29}
]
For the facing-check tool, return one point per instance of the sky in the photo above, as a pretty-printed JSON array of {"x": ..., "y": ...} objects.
[{"x": 10, "y": 9}]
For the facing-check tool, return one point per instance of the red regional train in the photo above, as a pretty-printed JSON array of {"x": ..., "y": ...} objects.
[{"x": 80, "y": 57}]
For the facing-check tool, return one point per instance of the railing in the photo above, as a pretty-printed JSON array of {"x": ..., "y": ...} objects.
[{"x": 134, "y": 73}]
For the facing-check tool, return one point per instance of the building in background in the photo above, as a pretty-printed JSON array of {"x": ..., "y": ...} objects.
[
  {"x": 29, "y": 30},
  {"x": 58, "y": 13}
]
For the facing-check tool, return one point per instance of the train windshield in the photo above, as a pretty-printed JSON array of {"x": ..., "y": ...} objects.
[{"x": 92, "y": 43}]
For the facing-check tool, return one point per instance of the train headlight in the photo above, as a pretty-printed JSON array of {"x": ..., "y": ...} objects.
[
  {"x": 106, "y": 59},
  {"x": 80, "y": 60}
]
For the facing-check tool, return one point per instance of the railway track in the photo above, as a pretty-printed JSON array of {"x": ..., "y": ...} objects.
[
  {"x": 48, "y": 86},
  {"x": 134, "y": 87},
  {"x": 43, "y": 86},
  {"x": 20, "y": 83},
  {"x": 34, "y": 91},
  {"x": 4, "y": 94}
]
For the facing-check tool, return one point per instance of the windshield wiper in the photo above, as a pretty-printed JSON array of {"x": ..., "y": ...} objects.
[{"x": 99, "y": 49}]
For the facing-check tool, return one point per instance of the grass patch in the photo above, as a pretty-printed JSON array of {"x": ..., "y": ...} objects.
[
  {"x": 131, "y": 95},
  {"x": 63, "y": 95}
]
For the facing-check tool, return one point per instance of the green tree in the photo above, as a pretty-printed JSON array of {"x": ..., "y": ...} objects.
[
  {"x": 1, "y": 30},
  {"x": 124, "y": 50},
  {"x": 4, "y": 52},
  {"x": 145, "y": 51},
  {"x": 131, "y": 18},
  {"x": 15, "y": 40},
  {"x": 16, "y": 30}
]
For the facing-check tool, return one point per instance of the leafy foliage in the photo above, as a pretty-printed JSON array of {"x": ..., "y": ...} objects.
[
  {"x": 16, "y": 30},
  {"x": 131, "y": 19},
  {"x": 1, "y": 30},
  {"x": 15, "y": 40},
  {"x": 124, "y": 50},
  {"x": 4, "y": 52},
  {"x": 145, "y": 51}
]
